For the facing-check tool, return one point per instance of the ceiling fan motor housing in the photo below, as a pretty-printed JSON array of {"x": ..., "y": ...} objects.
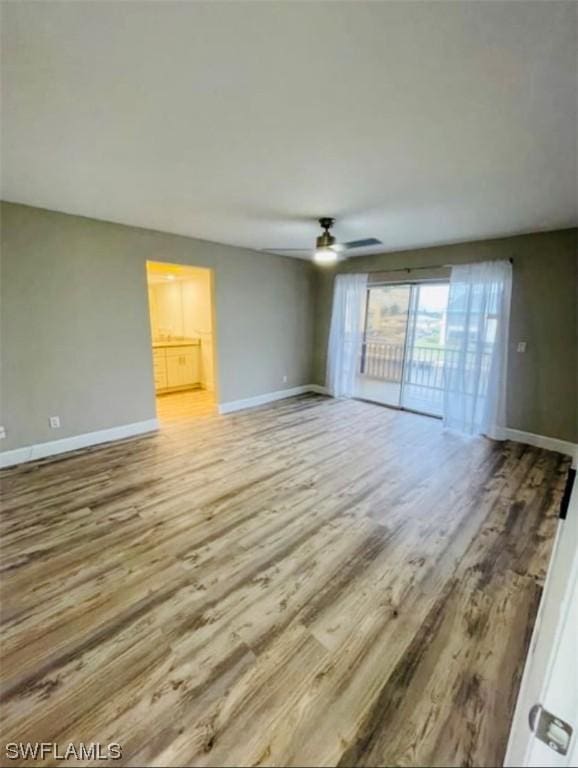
[{"x": 325, "y": 240}]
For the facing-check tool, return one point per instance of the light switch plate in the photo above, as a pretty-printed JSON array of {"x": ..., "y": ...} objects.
[
  {"x": 2, "y": 433},
  {"x": 54, "y": 422},
  {"x": 521, "y": 346}
]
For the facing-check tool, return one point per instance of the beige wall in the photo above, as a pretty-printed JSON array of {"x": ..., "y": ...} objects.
[
  {"x": 75, "y": 330},
  {"x": 543, "y": 382}
]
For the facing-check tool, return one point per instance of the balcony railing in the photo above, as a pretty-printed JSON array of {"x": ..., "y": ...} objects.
[
  {"x": 381, "y": 360},
  {"x": 424, "y": 366}
]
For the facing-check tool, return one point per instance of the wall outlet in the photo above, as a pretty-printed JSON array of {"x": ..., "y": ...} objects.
[
  {"x": 2, "y": 433},
  {"x": 521, "y": 346},
  {"x": 285, "y": 379},
  {"x": 54, "y": 422}
]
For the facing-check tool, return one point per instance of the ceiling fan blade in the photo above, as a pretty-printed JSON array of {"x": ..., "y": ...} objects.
[
  {"x": 359, "y": 244},
  {"x": 286, "y": 250}
]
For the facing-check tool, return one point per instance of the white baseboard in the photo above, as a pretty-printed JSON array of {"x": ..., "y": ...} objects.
[
  {"x": 66, "y": 444},
  {"x": 541, "y": 441},
  {"x": 517, "y": 435},
  {"x": 268, "y": 397},
  {"x": 54, "y": 447}
]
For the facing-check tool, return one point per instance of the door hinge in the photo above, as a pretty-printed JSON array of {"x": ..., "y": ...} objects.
[{"x": 550, "y": 729}]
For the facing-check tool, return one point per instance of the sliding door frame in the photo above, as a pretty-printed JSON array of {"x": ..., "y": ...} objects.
[{"x": 411, "y": 310}]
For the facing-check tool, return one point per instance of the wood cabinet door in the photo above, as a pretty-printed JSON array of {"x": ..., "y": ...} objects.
[
  {"x": 174, "y": 371},
  {"x": 191, "y": 367},
  {"x": 160, "y": 369},
  {"x": 183, "y": 367}
]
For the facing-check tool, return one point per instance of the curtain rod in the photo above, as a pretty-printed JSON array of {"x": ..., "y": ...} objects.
[{"x": 426, "y": 266}]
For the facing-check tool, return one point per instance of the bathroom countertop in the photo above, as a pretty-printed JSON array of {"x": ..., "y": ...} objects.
[{"x": 175, "y": 343}]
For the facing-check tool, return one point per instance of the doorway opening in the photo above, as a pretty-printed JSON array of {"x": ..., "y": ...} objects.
[
  {"x": 183, "y": 344},
  {"x": 405, "y": 344}
]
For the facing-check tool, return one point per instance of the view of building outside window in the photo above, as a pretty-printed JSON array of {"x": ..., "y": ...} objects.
[{"x": 431, "y": 316}]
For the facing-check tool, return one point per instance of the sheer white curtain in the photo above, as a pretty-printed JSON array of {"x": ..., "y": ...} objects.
[
  {"x": 346, "y": 334},
  {"x": 476, "y": 360}
]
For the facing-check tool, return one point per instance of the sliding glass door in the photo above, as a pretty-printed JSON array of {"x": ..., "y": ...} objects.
[
  {"x": 382, "y": 352},
  {"x": 403, "y": 347},
  {"x": 422, "y": 386}
]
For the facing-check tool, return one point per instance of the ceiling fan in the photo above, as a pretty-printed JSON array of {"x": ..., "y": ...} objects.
[{"x": 327, "y": 250}]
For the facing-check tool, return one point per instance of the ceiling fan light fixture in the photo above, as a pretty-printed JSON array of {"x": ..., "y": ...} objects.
[
  {"x": 327, "y": 250},
  {"x": 325, "y": 255}
]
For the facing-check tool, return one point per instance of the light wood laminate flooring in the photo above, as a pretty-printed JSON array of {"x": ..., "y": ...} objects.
[
  {"x": 311, "y": 583},
  {"x": 183, "y": 406}
]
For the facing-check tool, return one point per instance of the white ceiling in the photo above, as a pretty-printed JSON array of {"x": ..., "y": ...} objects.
[{"x": 242, "y": 122}]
